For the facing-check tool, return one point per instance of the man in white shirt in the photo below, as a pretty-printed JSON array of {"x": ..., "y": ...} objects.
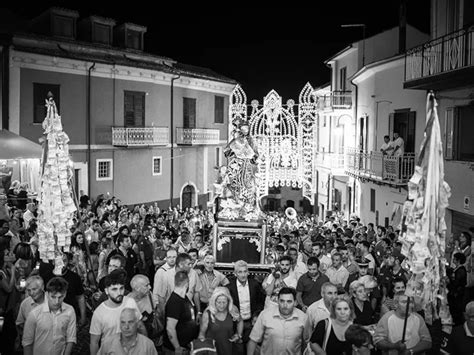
[
  {"x": 398, "y": 145},
  {"x": 337, "y": 273},
  {"x": 164, "y": 277},
  {"x": 386, "y": 147},
  {"x": 275, "y": 281},
  {"x": 319, "y": 310},
  {"x": 106, "y": 318}
]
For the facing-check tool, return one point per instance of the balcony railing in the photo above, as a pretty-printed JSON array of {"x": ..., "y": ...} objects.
[
  {"x": 444, "y": 54},
  {"x": 197, "y": 136},
  {"x": 331, "y": 161},
  {"x": 139, "y": 136},
  {"x": 375, "y": 166},
  {"x": 335, "y": 101}
]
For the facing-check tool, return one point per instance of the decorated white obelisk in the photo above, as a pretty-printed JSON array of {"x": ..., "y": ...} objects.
[{"x": 56, "y": 206}]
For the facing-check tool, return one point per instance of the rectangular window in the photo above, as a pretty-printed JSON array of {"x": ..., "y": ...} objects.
[
  {"x": 463, "y": 137},
  {"x": 63, "y": 26},
  {"x": 157, "y": 168},
  {"x": 342, "y": 79},
  {"x": 134, "y": 39},
  {"x": 134, "y": 109},
  {"x": 40, "y": 94},
  {"x": 372, "y": 200},
  {"x": 102, "y": 33},
  {"x": 104, "y": 169},
  {"x": 218, "y": 109},
  {"x": 189, "y": 112}
]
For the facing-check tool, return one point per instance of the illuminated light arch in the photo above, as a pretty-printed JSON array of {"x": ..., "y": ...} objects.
[{"x": 286, "y": 141}]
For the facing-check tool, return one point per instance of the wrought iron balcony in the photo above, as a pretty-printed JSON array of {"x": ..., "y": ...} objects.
[
  {"x": 197, "y": 136},
  {"x": 139, "y": 136},
  {"x": 337, "y": 100},
  {"x": 381, "y": 168},
  {"x": 335, "y": 162},
  {"x": 444, "y": 62}
]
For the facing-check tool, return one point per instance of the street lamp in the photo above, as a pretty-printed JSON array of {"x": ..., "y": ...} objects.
[{"x": 363, "y": 37}]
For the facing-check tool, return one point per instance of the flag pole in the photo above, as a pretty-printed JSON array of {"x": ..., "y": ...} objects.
[{"x": 406, "y": 320}]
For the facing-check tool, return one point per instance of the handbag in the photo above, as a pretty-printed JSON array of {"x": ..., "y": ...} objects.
[
  {"x": 155, "y": 321},
  {"x": 203, "y": 347}
]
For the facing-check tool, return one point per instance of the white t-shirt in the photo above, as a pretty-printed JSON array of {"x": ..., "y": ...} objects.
[
  {"x": 106, "y": 321},
  {"x": 398, "y": 143}
]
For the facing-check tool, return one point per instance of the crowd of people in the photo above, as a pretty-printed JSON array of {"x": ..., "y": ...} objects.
[{"x": 143, "y": 280}]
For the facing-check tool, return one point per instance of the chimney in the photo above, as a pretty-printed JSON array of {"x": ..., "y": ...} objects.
[{"x": 402, "y": 27}]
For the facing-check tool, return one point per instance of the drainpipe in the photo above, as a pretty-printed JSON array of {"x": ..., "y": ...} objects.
[
  {"x": 172, "y": 138},
  {"x": 88, "y": 128},
  {"x": 356, "y": 95}
]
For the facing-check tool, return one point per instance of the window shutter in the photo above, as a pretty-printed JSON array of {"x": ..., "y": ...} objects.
[
  {"x": 139, "y": 106},
  {"x": 192, "y": 113},
  {"x": 219, "y": 109},
  {"x": 189, "y": 112},
  {"x": 185, "y": 113},
  {"x": 449, "y": 133},
  {"x": 129, "y": 115},
  {"x": 410, "y": 139},
  {"x": 372, "y": 200}
]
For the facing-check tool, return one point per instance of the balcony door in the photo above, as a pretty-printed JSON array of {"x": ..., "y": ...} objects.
[
  {"x": 134, "y": 109},
  {"x": 189, "y": 112},
  {"x": 404, "y": 123}
]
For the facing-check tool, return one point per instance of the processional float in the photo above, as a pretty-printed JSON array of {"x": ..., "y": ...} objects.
[{"x": 271, "y": 147}]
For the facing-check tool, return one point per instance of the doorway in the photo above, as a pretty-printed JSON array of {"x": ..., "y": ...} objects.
[{"x": 187, "y": 197}]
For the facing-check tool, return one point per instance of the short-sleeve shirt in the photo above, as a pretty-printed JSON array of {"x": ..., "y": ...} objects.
[
  {"x": 390, "y": 327},
  {"x": 26, "y": 307},
  {"x": 183, "y": 311},
  {"x": 279, "y": 335},
  {"x": 49, "y": 332},
  {"x": 209, "y": 284},
  {"x": 106, "y": 320},
  {"x": 310, "y": 289}
]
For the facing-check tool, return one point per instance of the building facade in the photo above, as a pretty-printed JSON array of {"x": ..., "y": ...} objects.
[
  {"x": 359, "y": 107},
  {"x": 142, "y": 127},
  {"x": 445, "y": 65}
]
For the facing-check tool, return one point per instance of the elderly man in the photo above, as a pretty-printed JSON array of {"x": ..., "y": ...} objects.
[
  {"x": 106, "y": 318},
  {"x": 35, "y": 292},
  {"x": 210, "y": 279},
  {"x": 280, "y": 329},
  {"x": 247, "y": 295},
  {"x": 128, "y": 341},
  {"x": 319, "y": 310},
  {"x": 51, "y": 327},
  {"x": 389, "y": 332},
  {"x": 141, "y": 293}
]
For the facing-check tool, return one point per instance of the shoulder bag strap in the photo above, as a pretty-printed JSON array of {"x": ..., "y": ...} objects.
[{"x": 326, "y": 334}]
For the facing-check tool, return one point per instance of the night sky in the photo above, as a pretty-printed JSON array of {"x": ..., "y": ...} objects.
[{"x": 236, "y": 41}]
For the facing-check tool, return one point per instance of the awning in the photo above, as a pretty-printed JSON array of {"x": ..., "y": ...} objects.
[{"x": 13, "y": 146}]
